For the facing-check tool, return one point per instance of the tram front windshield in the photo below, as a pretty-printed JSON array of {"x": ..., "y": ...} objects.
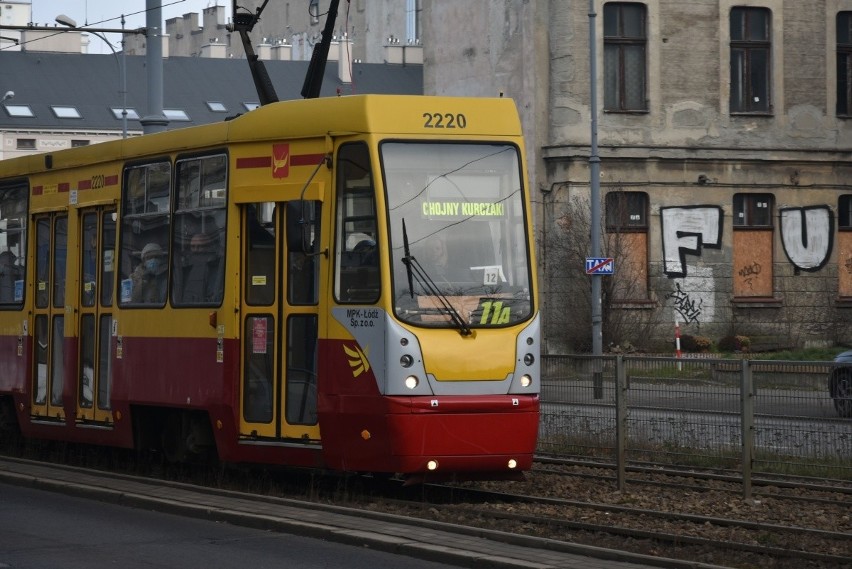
[{"x": 459, "y": 251}]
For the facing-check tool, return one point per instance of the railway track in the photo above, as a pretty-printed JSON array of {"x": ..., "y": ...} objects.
[
  {"x": 695, "y": 518},
  {"x": 727, "y": 541},
  {"x": 790, "y": 521},
  {"x": 784, "y": 487}
]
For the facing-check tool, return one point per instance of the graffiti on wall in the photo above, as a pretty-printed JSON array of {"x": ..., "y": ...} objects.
[
  {"x": 750, "y": 272},
  {"x": 694, "y": 297},
  {"x": 686, "y": 307},
  {"x": 806, "y": 234},
  {"x": 685, "y": 231}
]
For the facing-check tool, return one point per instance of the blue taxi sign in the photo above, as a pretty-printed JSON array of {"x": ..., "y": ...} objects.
[{"x": 600, "y": 265}]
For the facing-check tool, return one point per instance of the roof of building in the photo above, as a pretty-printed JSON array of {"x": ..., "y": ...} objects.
[{"x": 91, "y": 84}]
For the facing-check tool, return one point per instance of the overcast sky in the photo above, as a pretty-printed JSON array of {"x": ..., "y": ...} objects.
[{"x": 107, "y": 13}]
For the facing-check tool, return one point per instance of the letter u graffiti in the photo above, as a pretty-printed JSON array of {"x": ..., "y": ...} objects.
[{"x": 806, "y": 234}]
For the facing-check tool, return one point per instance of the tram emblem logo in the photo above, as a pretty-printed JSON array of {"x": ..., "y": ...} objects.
[
  {"x": 357, "y": 360},
  {"x": 280, "y": 160}
]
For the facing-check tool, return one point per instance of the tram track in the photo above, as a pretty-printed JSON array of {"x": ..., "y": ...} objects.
[
  {"x": 788, "y": 522},
  {"x": 783, "y": 487},
  {"x": 681, "y": 520},
  {"x": 691, "y": 535}
]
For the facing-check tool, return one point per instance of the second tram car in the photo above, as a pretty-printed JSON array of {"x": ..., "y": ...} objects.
[{"x": 343, "y": 283}]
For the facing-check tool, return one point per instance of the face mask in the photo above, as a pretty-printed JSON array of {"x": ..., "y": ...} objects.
[{"x": 151, "y": 265}]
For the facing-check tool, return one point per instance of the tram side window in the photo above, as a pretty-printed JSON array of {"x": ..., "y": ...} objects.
[
  {"x": 198, "y": 259},
  {"x": 260, "y": 253},
  {"x": 42, "y": 261},
  {"x": 108, "y": 256},
  {"x": 259, "y": 369},
  {"x": 60, "y": 255},
  {"x": 357, "y": 259},
  {"x": 89, "y": 255},
  {"x": 144, "y": 250},
  {"x": 302, "y": 369},
  {"x": 303, "y": 231},
  {"x": 13, "y": 225}
]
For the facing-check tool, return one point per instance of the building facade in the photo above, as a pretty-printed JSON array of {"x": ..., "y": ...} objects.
[
  {"x": 19, "y": 13},
  {"x": 367, "y": 31},
  {"x": 724, "y": 132}
]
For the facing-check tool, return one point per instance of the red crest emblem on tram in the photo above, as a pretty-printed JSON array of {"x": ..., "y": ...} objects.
[{"x": 280, "y": 160}]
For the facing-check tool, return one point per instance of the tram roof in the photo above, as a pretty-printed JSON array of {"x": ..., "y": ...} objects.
[
  {"x": 390, "y": 111},
  {"x": 388, "y": 115}
]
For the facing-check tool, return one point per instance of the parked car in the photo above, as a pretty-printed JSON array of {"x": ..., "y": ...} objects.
[{"x": 840, "y": 384}]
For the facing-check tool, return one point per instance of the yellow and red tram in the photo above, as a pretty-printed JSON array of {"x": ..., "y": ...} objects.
[{"x": 345, "y": 283}]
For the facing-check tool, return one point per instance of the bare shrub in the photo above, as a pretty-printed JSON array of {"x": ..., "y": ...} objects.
[{"x": 626, "y": 317}]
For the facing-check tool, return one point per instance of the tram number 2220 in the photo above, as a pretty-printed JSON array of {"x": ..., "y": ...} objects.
[{"x": 444, "y": 120}]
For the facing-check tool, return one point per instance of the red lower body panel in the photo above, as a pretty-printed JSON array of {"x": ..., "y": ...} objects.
[{"x": 403, "y": 434}]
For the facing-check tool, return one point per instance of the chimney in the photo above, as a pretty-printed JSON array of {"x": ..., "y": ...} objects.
[
  {"x": 264, "y": 50},
  {"x": 412, "y": 54},
  {"x": 394, "y": 51},
  {"x": 281, "y": 51},
  {"x": 214, "y": 50}
]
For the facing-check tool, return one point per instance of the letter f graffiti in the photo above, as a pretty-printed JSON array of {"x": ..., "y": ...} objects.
[{"x": 686, "y": 230}]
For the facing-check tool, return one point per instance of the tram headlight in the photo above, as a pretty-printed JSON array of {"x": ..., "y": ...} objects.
[
  {"x": 526, "y": 380},
  {"x": 406, "y": 361},
  {"x": 432, "y": 465},
  {"x": 529, "y": 359},
  {"x": 411, "y": 382},
  {"x": 513, "y": 463}
]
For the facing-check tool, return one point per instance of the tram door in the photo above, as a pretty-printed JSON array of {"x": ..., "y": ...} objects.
[
  {"x": 48, "y": 373},
  {"x": 280, "y": 318},
  {"x": 97, "y": 265}
]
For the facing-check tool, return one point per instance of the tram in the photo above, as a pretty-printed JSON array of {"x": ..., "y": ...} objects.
[{"x": 342, "y": 283}]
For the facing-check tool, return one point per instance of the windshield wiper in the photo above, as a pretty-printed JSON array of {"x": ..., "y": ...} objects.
[
  {"x": 415, "y": 270},
  {"x": 407, "y": 259}
]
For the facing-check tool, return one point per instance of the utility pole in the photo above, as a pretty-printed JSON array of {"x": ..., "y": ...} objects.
[
  {"x": 155, "y": 121},
  {"x": 595, "y": 186}
]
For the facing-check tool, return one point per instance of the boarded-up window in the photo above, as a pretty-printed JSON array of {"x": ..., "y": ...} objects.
[
  {"x": 844, "y": 246},
  {"x": 627, "y": 243},
  {"x": 752, "y": 271},
  {"x": 631, "y": 267}
]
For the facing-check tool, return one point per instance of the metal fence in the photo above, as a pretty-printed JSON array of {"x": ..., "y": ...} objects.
[{"x": 756, "y": 417}]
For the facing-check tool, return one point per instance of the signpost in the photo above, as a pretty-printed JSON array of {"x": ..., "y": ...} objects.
[{"x": 600, "y": 265}]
